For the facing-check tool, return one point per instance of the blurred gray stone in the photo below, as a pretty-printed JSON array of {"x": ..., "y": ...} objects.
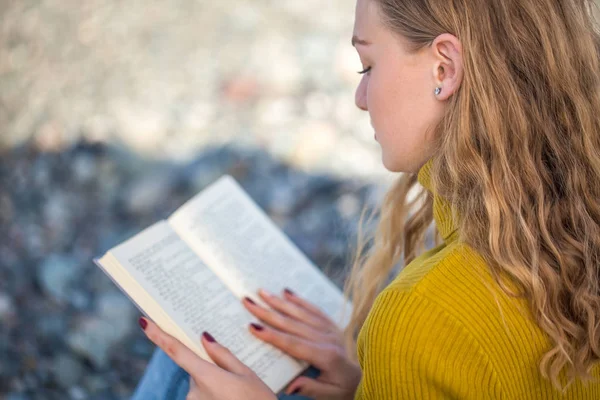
[
  {"x": 94, "y": 337},
  {"x": 17, "y": 396},
  {"x": 56, "y": 274},
  {"x": 84, "y": 168},
  {"x": 148, "y": 191},
  {"x": 115, "y": 305},
  {"x": 7, "y": 309},
  {"x": 51, "y": 326},
  {"x": 68, "y": 370},
  {"x": 77, "y": 393},
  {"x": 80, "y": 299}
]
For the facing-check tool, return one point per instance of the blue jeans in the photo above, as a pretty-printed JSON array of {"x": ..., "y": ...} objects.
[{"x": 165, "y": 380}]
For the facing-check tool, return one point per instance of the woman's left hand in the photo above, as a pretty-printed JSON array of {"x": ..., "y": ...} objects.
[{"x": 229, "y": 379}]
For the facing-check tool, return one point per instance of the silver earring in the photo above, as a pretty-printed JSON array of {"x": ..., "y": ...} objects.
[{"x": 438, "y": 90}]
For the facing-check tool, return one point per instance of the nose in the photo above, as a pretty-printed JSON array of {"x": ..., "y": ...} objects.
[{"x": 360, "y": 98}]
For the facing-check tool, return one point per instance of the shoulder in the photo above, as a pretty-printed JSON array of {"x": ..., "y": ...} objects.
[
  {"x": 410, "y": 346},
  {"x": 457, "y": 281},
  {"x": 417, "y": 333},
  {"x": 443, "y": 310},
  {"x": 442, "y": 262}
]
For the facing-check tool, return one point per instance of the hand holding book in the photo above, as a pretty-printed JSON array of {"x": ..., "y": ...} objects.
[
  {"x": 302, "y": 330},
  {"x": 296, "y": 327},
  {"x": 228, "y": 379}
]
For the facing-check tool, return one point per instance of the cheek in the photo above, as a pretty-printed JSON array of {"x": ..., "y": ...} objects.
[
  {"x": 401, "y": 109},
  {"x": 394, "y": 104}
]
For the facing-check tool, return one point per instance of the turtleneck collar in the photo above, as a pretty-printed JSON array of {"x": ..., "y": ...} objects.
[{"x": 442, "y": 212}]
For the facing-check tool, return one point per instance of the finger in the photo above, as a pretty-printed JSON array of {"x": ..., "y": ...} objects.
[
  {"x": 314, "y": 389},
  {"x": 177, "y": 351},
  {"x": 322, "y": 356},
  {"x": 285, "y": 323},
  {"x": 288, "y": 294},
  {"x": 223, "y": 357},
  {"x": 294, "y": 311},
  {"x": 291, "y": 296}
]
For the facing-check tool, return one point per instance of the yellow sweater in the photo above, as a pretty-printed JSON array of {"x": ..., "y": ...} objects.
[{"x": 443, "y": 329}]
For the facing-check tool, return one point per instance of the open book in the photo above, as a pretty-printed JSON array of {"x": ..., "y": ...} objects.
[{"x": 189, "y": 273}]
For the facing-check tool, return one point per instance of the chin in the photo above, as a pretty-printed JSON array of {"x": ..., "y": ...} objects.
[
  {"x": 392, "y": 164},
  {"x": 398, "y": 164}
]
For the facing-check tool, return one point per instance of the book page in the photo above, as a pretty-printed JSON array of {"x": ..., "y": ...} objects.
[
  {"x": 197, "y": 301},
  {"x": 248, "y": 251}
]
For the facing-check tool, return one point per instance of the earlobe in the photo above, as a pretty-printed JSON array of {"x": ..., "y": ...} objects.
[{"x": 448, "y": 66}]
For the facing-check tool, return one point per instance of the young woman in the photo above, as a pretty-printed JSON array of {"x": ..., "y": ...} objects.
[{"x": 494, "y": 108}]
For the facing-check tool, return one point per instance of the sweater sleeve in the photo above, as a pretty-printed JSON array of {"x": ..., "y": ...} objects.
[{"x": 410, "y": 347}]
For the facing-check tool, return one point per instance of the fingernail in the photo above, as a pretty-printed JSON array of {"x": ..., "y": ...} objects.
[
  {"x": 208, "y": 337},
  {"x": 288, "y": 291},
  {"x": 295, "y": 391},
  {"x": 257, "y": 326},
  {"x": 143, "y": 323},
  {"x": 265, "y": 293},
  {"x": 249, "y": 300}
]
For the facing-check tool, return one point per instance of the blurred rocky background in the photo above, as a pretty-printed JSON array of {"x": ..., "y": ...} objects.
[{"x": 114, "y": 113}]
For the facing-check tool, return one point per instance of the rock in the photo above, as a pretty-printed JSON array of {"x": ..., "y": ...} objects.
[
  {"x": 283, "y": 200},
  {"x": 84, "y": 168},
  {"x": 17, "y": 396},
  {"x": 51, "y": 326},
  {"x": 77, "y": 393},
  {"x": 51, "y": 136},
  {"x": 316, "y": 143},
  {"x": 94, "y": 338},
  {"x": 145, "y": 194},
  {"x": 95, "y": 383},
  {"x": 240, "y": 89},
  {"x": 80, "y": 299},
  {"x": 67, "y": 370},
  {"x": 117, "y": 309},
  {"x": 55, "y": 275},
  {"x": 7, "y": 309},
  {"x": 348, "y": 205}
]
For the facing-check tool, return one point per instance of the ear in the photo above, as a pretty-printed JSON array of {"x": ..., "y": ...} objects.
[{"x": 448, "y": 64}]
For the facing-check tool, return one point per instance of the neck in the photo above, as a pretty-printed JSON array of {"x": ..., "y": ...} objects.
[{"x": 442, "y": 211}]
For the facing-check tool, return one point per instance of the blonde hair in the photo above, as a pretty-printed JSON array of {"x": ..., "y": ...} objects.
[{"x": 518, "y": 158}]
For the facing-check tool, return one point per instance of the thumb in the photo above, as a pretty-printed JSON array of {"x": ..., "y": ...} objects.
[
  {"x": 312, "y": 388},
  {"x": 223, "y": 357}
]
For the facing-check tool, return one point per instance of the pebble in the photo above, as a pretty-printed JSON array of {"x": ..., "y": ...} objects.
[
  {"x": 17, "y": 396},
  {"x": 68, "y": 370},
  {"x": 7, "y": 308},
  {"x": 56, "y": 274},
  {"x": 94, "y": 338},
  {"x": 77, "y": 393}
]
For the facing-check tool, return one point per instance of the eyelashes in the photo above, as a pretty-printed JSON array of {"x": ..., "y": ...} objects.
[{"x": 364, "y": 71}]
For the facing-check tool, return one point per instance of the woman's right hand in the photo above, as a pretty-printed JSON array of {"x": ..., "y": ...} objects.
[{"x": 301, "y": 330}]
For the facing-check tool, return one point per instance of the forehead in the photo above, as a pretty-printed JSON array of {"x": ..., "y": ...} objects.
[{"x": 366, "y": 16}]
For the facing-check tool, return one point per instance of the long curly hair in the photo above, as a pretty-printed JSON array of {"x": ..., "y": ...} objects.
[{"x": 518, "y": 158}]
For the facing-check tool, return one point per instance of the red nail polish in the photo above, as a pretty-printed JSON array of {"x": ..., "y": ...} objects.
[
  {"x": 143, "y": 323},
  {"x": 288, "y": 291},
  {"x": 208, "y": 337},
  {"x": 249, "y": 300},
  {"x": 257, "y": 326},
  {"x": 297, "y": 390}
]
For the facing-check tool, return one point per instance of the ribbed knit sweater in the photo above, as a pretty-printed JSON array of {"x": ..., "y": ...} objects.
[{"x": 444, "y": 329}]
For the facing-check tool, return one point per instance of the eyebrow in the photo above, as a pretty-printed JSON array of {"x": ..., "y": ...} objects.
[{"x": 356, "y": 40}]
